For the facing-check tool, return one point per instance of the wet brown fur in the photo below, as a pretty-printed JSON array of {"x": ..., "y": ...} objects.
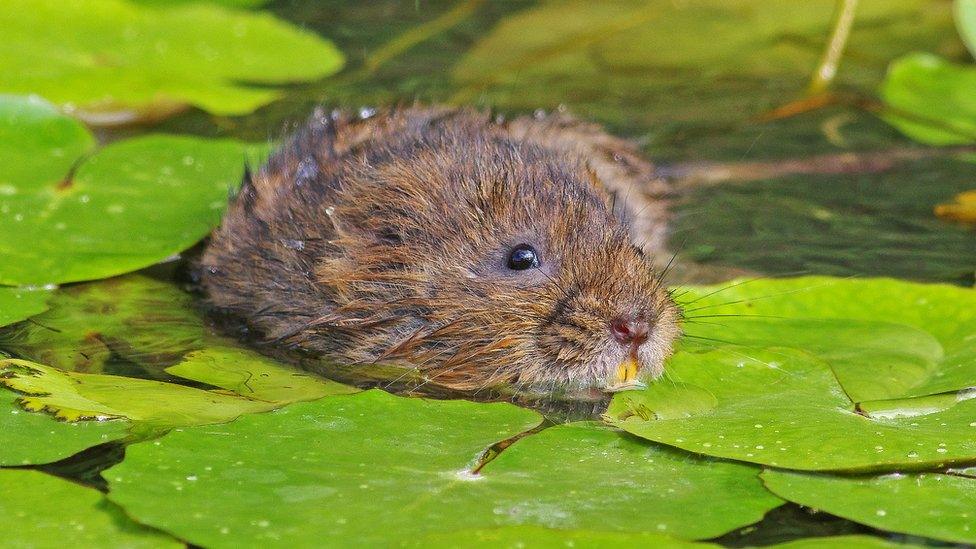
[{"x": 385, "y": 239}]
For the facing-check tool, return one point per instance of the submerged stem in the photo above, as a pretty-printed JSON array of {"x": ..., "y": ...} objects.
[{"x": 826, "y": 71}]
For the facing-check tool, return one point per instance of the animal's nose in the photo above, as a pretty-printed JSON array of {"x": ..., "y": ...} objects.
[{"x": 628, "y": 330}]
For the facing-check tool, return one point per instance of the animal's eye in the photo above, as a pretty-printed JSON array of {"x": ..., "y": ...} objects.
[{"x": 523, "y": 257}]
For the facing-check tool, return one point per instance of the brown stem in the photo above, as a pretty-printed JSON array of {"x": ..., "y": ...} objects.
[{"x": 687, "y": 176}]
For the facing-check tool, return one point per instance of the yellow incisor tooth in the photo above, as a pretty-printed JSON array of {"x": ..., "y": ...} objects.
[
  {"x": 626, "y": 378},
  {"x": 627, "y": 371}
]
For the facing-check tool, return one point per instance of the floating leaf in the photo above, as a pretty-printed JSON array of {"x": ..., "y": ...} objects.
[
  {"x": 841, "y": 542},
  {"x": 37, "y": 438},
  {"x": 72, "y": 396},
  {"x": 784, "y": 408},
  {"x": 337, "y": 467},
  {"x": 933, "y": 505},
  {"x": 517, "y": 537},
  {"x": 931, "y": 99},
  {"x": 111, "y": 61},
  {"x": 139, "y": 321},
  {"x": 128, "y": 206},
  {"x": 39, "y": 510},
  {"x": 227, "y": 3},
  {"x": 254, "y": 376},
  {"x": 963, "y": 208},
  {"x": 965, "y": 12},
  {"x": 648, "y": 487},
  {"x": 883, "y": 338},
  {"x": 16, "y": 304}
]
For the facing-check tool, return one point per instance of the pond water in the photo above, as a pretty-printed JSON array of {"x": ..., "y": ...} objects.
[
  {"x": 769, "y": 181},
  {"x": 700, "y": 108}
]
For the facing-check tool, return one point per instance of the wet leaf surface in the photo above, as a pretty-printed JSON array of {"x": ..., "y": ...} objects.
[
  {"x": 30, "y": 438},
  {"x": 112, "y": 62},
  {"x": 74, "y": 397},
  {"x": 883, "y": 338},
  {"x": 933, "y": 505},
  {"x": 784, "y": 408},
  {"x": 128, "y": 206},
  {"x": 254, "y": 376},
  {"x": 842, "y": 542},
  {"x": 374, "y": 458},
  {"x": 17, "y": 304},
  {"x": 39, "y": 510},
  {"x": 132, "y": 325},
  {"x": 515, "y": 537}
]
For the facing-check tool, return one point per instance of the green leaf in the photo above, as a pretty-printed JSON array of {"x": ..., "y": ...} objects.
[
  {"x": 254, "y": 376},
  {"x": 784, "y": 408},
  {"x": 841, "y": 542},
  {"x": 128, "y": 206},
  {"x": 642, "y": 487},
  {"x": 226, "y": 3},
  {"x": 965, "y": 12},
  {"x": 931, "y": 99},
  {"x": 338, "y": 467},
  {"x": 933, "y": 505},
  {"x": 73, "y": 396},
  {"x": 883, "y": 338},
  {"x": 39, "y": 510},
  {"x": 111, "y": 61},
  {"x": 38, "y": 145},
  {"x": 37, "y": 438},
  {"x": 518, "y": 537},
  {"x": 136, "y": 320},
  {"x": 16, "y": 304},
  {"x": 137, "y": 326}
]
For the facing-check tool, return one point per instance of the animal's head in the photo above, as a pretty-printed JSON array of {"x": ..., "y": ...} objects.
[{"x": 484, "y": 261}]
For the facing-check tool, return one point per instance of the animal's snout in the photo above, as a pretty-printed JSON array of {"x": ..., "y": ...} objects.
[{"x": 629, "y": 330}]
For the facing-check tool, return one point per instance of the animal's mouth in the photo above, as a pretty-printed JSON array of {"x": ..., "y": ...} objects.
[{"x": 625, "y": 376}]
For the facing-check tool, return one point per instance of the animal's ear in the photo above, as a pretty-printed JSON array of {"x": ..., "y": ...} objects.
[
  {"x": 618, "y": 207},
  {"x": 595, "y": 180},
  {"x": 246, "y": 194}
]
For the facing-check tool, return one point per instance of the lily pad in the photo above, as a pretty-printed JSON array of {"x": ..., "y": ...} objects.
[
  {"x": 931, "y": 99},
  {"x": 883, "y": 338},
  {"x": 339, "y": 466},
  {"x": 842, "y": 542},
  {"x": 39, "y": 510},
  {"x": 784, "y": 408},
  {"x": 649, "y": 487},
  {"x": 933, "y": 505},
  {"x": 519, "y": 537},
  {"x": 965, "y": 12},
  {"x": 254, "y": 376},
  {"x": 111, "y": 61},
  {"x": 73, "y": 396},
  {"x": 16, "y": 304},
  {"x": 128, "y": 206},
  {"x": 126, "y": 325},
  {"x": 38, "y": 438}
]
